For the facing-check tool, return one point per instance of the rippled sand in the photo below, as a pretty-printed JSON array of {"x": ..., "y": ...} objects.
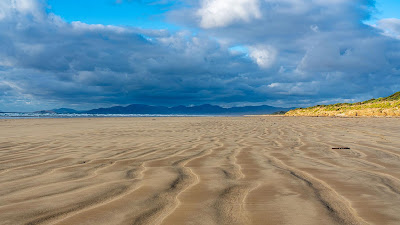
[{"x": 250, "y": 170}]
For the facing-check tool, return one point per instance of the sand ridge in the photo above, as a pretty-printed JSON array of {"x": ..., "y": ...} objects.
[{"x": 234, "y": 170}]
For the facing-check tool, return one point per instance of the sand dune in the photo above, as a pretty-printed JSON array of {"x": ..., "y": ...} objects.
[{"x": 254, "y": 170}]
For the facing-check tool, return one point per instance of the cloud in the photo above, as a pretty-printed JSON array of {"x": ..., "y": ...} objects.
[
  {"x": 284, "y": 53},
  {"x": 21, "y": 8},
  {"x": 220, "y": 13},
  {"x": 390, "y": 27},
  {"x": 322, "y": 43},
  {"x": 264, "y": 56},
  {"x": 93, "y": 64}
]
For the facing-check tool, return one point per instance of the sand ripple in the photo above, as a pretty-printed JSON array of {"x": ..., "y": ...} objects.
[{"x": 255, "y": 170}]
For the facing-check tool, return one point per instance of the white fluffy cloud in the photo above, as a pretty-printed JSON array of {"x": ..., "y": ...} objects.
[
  {"x": 16, "y": 8},
  {"x": 390, "y": 27},
  {"x": 220, "y": 13},
  {"x": 264, "y": 56}
]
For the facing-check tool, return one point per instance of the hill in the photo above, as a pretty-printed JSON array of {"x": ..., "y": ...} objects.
[
  {"x": 381, "y": 107},
  {"x": 58, "y": 111},
  {"x": 206, "y": 109}
]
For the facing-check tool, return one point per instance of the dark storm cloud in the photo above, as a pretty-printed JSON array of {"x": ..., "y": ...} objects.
[{"x": 298, "y": 53}]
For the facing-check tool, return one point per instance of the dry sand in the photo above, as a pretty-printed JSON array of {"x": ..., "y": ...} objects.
[{"x": 254, "y": 170}]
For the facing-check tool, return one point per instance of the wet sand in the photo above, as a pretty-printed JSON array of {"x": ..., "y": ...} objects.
[{"x": 239, "y": 170}]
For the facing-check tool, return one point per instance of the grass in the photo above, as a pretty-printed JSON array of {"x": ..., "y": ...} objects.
[{"x": 385, "y": 106}]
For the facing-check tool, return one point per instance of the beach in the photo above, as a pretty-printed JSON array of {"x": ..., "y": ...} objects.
[{"x": 200, "y": 170}]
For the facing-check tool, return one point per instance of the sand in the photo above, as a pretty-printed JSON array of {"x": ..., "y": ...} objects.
[{"x": 238, "y": 170}]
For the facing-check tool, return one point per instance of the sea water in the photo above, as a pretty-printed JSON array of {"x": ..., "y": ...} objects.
[{"x": 20, "y": 115}]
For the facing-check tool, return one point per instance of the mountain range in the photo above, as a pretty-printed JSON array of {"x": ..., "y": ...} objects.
[{"x": 206, "y": 109}]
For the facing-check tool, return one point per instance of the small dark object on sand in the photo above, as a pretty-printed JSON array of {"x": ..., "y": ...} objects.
[{"x": 341, "y": 148}]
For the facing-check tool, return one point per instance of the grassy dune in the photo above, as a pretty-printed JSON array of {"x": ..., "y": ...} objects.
[{"x": 380, "y": 107}]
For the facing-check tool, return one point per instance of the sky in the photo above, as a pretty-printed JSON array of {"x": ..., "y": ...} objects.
[
  {"x": 388, "y": 8},
  {"x": 85, "y": 54}
]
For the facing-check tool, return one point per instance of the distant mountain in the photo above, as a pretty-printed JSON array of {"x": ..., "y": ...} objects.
[
  {"x": 388, "y": 106},
  {"x": 130, "y": 109},
  {"x": 65, "y": 110},
  {"x": 206, "y": 109},
  {"x": 59, "y": 111},
  {"x": 45, "y": 111}
]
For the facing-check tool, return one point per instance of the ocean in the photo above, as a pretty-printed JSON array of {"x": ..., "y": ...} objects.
[{"x": 19, "y": 115}]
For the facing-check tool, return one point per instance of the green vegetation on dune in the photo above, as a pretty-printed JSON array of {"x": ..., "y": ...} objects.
[{"x": 388, "y": 106}]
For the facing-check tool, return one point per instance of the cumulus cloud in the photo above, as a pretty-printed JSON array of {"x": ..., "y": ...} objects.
[
  {"x": 220, "y": 13},
  {"x": 390, "y": 27},
  {"x": 264, "y": 56},
  {"x": 17, "y": 8}
]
